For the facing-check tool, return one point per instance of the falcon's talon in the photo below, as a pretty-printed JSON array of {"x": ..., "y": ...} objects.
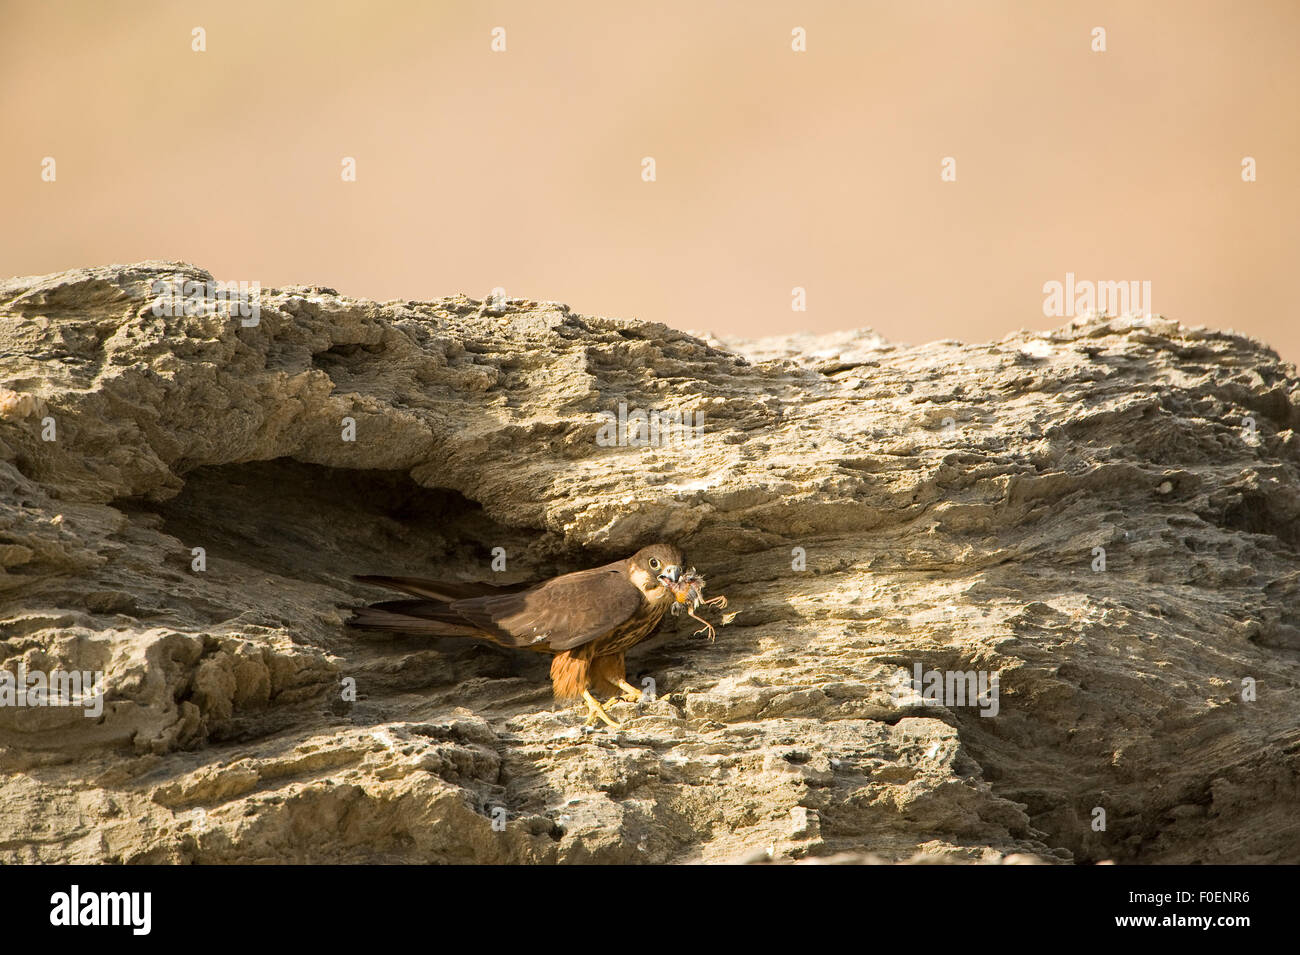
[
  {"x": 596, "y": 711},
  {"x": 630, "y": 693}
]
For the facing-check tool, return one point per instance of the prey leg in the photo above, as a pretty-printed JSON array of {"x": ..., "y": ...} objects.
[
  {"x": 595, "y": 711},
  {"x": 719, "y": 601},
  {"x": 707, "y": 628}
]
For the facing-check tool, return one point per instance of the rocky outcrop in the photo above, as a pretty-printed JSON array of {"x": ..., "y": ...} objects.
[{"x": 1103, "y": 517}]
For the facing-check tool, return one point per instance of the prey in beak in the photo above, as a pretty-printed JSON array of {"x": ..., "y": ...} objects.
[{"x": 687, "y": 588}]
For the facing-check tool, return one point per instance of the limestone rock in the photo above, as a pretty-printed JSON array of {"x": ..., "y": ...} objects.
[{"x": 868, "y": 509}]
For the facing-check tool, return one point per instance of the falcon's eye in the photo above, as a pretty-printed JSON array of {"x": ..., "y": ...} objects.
[{"x": 654, "y": 563}]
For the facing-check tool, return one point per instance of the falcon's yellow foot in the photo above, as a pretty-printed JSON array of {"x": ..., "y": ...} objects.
[
  {"x": 595, "y": 711},
  {"x": 630, "y": 693}
]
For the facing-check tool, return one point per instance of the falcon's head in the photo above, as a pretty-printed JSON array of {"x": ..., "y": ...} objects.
[{"x": 647, "y": 565}]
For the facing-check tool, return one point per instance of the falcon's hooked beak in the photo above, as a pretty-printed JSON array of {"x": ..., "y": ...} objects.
[{"x": 672, "y": 572}]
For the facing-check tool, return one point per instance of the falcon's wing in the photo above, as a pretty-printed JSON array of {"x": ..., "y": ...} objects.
[{"x": 562, "y": 613}]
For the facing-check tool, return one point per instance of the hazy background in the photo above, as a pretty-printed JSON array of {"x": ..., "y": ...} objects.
[{"x": 775, "y": 169}]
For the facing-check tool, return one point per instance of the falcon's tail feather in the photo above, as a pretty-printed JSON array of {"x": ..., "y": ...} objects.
[
  {"x": 410, "y": 616},
  {"x": 430, "y": 614},
  {"x": 443, "y": 590}
]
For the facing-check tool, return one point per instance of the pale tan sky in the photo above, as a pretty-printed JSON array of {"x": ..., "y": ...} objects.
[{"x": 775, "y": 169}]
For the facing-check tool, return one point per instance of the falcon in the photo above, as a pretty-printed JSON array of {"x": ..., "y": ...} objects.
[{"x": 587, "y": 620}]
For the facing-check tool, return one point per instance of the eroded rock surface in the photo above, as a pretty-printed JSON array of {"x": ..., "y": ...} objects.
[{"x": 949, "y": 500}]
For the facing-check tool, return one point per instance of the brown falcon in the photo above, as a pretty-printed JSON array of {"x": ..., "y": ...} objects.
[{"x": 586, "y": 620}]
